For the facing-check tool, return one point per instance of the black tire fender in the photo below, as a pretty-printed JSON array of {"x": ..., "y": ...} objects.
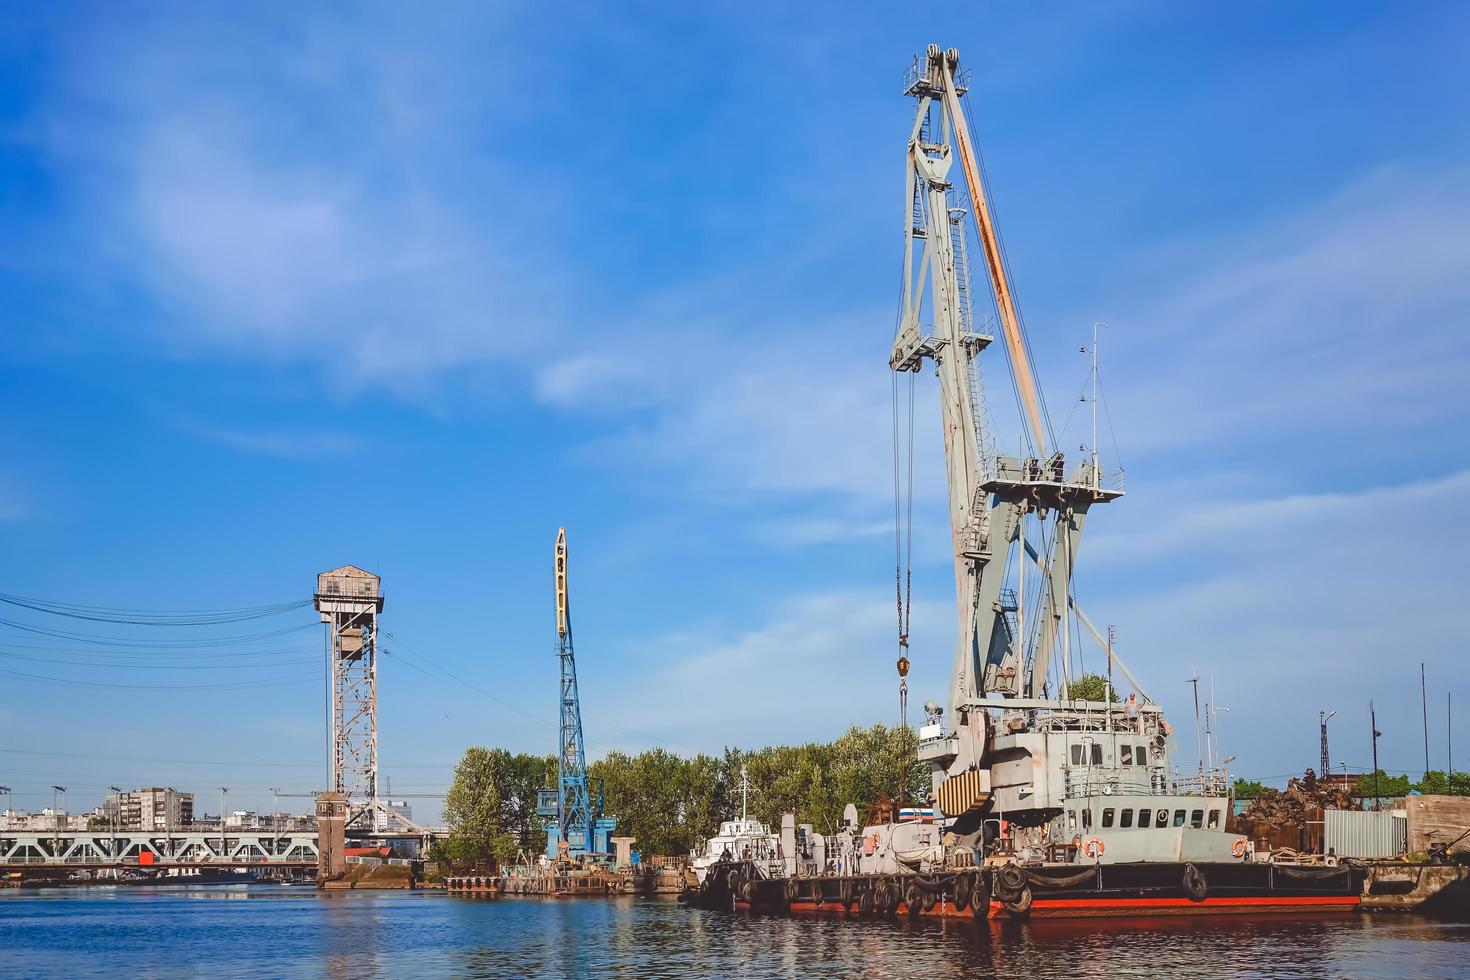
[
  {"x": 961, "y": 894},
  {"x": 1195, "y": 886},
  {"x": 865, "y": 899},
  {"x": 980, "y": 897},
  {"x": 1021, "y": 904},
  {"x": 1010, "y": 878},
  {"x": 913, "y": 897}
]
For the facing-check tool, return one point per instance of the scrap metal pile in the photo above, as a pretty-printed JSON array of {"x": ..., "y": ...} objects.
[{"x": 1290, "y": 817}]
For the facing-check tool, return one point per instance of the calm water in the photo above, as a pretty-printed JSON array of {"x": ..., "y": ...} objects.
[{"x": 275, "y": 931}]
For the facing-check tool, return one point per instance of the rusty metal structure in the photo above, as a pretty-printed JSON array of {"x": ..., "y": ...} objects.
[{"x": 349, "y": 600}]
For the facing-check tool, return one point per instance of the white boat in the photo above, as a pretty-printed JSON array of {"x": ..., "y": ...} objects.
[{"x": 739, "y": 840}]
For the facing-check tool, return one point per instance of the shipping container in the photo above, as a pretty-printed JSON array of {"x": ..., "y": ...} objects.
[{"x": 1366, "y": 834}]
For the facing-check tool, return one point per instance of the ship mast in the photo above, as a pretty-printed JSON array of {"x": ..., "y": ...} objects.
[{"x": 996, "y": 663}]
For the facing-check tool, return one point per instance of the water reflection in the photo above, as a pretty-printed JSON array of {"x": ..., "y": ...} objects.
[{"x": 273, "y": 931}]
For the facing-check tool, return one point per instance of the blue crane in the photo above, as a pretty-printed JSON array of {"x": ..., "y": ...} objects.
[{"x": 580, "y": 831}]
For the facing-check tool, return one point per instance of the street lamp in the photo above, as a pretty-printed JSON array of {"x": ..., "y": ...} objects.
[
  {"x": 224, "y": 795},
  {"x": 116, "y": 809},
  {"x": 275, "y": 808}
]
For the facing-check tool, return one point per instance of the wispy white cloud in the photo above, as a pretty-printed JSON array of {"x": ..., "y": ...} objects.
[
  {"x": 819, "y": 663},
  {"x": 1295, "y": 603},
  {"x": 1202, "y": 526},
  {"x": 294, "y": 444},
  {"x": 298, "y": 196},
  {"x": 1344, "y": 317}
]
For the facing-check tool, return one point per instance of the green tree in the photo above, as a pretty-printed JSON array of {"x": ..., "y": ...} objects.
[
  {"x": 672, "y": 803},
  {"x": 1436, "y": 783},
  {"x": 1249, "y": 789},
  {"x": 474, "y": 808},
  {"x": 1092, "y": 687},
  {"x": 1385, "y": 785}
]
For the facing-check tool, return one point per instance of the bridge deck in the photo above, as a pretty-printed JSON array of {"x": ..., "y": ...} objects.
[{"x": 133, "y": 849}]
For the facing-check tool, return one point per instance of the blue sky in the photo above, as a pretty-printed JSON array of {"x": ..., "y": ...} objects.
[{"x": 368, "y": 284}]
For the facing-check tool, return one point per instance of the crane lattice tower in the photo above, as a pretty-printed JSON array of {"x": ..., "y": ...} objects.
[
  {"x": 575, "y": 815},
  {"x": 349, "y": 600}
]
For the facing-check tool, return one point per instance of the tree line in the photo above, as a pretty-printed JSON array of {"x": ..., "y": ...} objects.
[
  {"x": 1433, "y": 783},
  {"x": 672, "y": 803}
]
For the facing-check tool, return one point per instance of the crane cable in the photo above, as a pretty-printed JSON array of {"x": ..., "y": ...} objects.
[{"x": 903, "y": 510}]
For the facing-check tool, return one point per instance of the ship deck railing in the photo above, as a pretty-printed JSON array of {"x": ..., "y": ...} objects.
[{"x": 1121, "y": 781}]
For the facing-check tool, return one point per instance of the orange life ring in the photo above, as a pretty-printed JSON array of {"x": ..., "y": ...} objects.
[
  {"x": 1239, "y": 847},
  {"x": 1094, "y": 848}
]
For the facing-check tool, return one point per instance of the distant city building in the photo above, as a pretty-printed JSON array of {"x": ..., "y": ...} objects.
[
  {"x": 48, "y": 819},
  {"x": 150, "y": 808},
  {"x": 241, "y": 819},
  {"x": 401, "y": 808}
]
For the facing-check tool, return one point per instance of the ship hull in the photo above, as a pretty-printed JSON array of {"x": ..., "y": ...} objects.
[{"x": 1142, "y": 890}]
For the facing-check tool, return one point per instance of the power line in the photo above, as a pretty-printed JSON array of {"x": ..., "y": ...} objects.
[
  {"x": 143, "y": 665},
  {"x": 218, "y": 641},
  {"x": 200, "y": 762},
  {"x": 72, "y": 682},
  {"x": 157, "y": 617}
]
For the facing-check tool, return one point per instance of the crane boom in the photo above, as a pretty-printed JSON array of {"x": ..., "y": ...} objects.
[
  {"x": 990, "y": 242},
  {"x": 574, "y": 806}
]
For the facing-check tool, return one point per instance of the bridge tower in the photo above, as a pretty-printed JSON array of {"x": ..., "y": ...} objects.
[{"x": 349, "y": 600}]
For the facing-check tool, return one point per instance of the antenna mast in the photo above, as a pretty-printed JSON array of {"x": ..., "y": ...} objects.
[{"x": 1323, "y": 717}]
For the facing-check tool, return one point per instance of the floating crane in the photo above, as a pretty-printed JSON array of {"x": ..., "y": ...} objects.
[
  {"x": 1013, "y": 588},
  {"x": 580, "y": 831}
]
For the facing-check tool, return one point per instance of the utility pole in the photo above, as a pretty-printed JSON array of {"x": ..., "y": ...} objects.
[
  {"x": 5, "y": 791},
  {"x": 1424, "y": 704},
  {"x": 224, "y": 794},
  {"x": 1322, "y": 719},
  {"x": 1373, "y": 723}
]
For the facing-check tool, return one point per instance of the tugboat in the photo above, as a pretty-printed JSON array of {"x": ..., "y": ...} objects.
[
  {"x": 745, "y": 840},
  {"x": 1048, "y": 800}
]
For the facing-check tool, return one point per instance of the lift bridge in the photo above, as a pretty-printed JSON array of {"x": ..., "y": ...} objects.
[
  {"x": 348, "y": 600},
  {"x": 286, "y": 853}
]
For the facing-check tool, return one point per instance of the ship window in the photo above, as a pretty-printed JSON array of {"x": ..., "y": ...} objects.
[
  {"x": 1197, "y": 819},
  {"x": 1163, "y": 818},
  {"x": 1107, "y": 817},
  {"x": 1077, "y": 754},
  {"x": 1125, "y": 819},
  {"x": 1143, "y": 816},
  {"x": 1087, "y": 818},
  {"x": 1179, "y": 818},
  {"x": 1214, "y": 819},
  {"x": 1096, "y": 754},
  {"x": 1141, "y": 756},
  {"x": 1125, "y": 755}
]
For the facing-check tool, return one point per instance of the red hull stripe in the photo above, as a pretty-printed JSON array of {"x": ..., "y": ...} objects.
[{"x": 1123, "y": 906}]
